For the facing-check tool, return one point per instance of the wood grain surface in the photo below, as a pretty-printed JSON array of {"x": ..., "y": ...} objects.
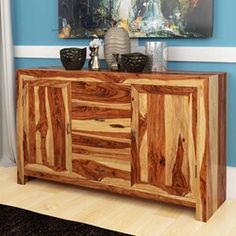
[
  {"x": 164, "y": 127},
  {"x": 47, "y": 124},
  {"x": 100, "y": 110},
  {"x": 159, "y": 136}
]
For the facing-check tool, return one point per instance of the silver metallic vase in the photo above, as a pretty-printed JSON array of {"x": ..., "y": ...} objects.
[{"x": 116, "y": 41}]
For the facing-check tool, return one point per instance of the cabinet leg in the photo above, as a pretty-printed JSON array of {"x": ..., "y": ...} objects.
[
  {"x": 205, "y": 211},
  {"x": 22, "y": 179},
  {"x": 200, "y": 214}
]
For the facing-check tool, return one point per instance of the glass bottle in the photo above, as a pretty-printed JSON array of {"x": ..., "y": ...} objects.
[{"x": 157, "y": 56}]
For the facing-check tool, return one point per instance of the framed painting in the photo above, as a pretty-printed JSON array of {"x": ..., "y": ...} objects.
[{"x": 141, "y": 18}]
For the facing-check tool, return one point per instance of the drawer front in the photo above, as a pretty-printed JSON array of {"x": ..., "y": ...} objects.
[{"x": 101, "y": 142}]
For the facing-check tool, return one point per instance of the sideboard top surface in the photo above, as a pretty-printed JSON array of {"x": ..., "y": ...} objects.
[{"x": 114, "y": 76}]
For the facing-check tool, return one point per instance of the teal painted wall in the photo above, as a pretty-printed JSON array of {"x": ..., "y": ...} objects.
[{"x": 35, "y": 23}]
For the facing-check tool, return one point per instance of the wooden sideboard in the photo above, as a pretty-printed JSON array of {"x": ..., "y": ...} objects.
[{"x": 159, "y": 136}]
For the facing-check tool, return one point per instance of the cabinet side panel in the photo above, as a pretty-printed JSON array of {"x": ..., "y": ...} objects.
[
  {"x": 216, "y": 162},
  {"x": 26, "y": 130},
  {"x": 203, "y": 151},
  {"x": 212, "y": 181},
  {"x": 222, "y": 138},
  {"x": 213, "y": 165},
  {"x": 19, "y": 130}
]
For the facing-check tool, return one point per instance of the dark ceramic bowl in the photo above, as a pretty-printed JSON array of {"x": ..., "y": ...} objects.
[
  {"x": 134, "y": 62},
  {"x": 73, "y": 58}
]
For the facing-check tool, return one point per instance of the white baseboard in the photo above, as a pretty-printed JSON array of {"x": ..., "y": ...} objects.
[
  {"x": 231, "y": 179},
  {"x": 181, "y": 54}
]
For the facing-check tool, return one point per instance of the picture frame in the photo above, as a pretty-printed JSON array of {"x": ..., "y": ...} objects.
[{"x": 141, "y": 18}]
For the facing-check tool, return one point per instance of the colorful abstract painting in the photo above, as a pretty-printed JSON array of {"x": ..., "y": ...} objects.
[{"x": 141, "y": 18}]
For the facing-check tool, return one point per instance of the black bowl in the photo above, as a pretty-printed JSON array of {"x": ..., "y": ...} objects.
[
  {"x": 73, "y": 58},
  {"x": 134, "y": 62}
]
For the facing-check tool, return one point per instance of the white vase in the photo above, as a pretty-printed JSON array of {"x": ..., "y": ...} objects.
[{"x": 116, "y": 41}]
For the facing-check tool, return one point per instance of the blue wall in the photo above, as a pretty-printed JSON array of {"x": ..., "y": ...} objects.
[{"x": 35, "y": 23}]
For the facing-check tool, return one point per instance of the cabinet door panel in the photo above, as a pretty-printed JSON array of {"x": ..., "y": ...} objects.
[
  {"x": 47, "y": 138},
  {"x": 163, "y": 138}
]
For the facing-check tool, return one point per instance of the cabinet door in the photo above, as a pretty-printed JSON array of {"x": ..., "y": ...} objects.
[
  {"x": 163, "y": 139},
  {"x": 101, "y": 117},
  {"x": 47, "y": 138}
]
